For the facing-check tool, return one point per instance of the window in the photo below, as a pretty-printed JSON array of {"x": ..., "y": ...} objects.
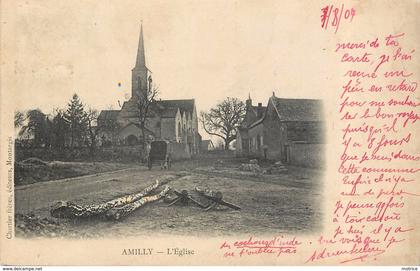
[
  {"x": 259, "y": 142},
  {"x": 139, "y": 82},
  {"x": 179, "y": 129}
]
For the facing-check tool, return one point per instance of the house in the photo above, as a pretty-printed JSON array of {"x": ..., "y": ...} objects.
[
  {"x": 288, "y": 130},
  {"x": 171, "y": 120},
  {"x": 246, "y": 145}
]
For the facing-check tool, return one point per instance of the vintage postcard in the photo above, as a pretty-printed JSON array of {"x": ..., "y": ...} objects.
[{"x": 140, "y": 132}]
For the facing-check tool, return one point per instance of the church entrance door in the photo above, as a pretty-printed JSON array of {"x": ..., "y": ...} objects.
[{"x": 132, "y": 140}]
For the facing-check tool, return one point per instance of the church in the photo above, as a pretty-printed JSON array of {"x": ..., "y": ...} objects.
[{"x": 171, "y": 120}]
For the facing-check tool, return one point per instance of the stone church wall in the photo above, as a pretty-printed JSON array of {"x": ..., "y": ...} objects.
[
  {"x": 180, "y": 151},
  {"x": 168, "y": 128}
]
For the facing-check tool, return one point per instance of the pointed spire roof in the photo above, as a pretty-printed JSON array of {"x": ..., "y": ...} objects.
[{"x": 141, "y": 59}]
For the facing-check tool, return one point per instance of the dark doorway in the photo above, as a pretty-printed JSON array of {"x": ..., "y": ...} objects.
[{"x": 132, "y": 140}]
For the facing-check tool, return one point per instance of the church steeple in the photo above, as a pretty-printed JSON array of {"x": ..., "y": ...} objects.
[
  {"x": 141, "y": 59},
  {"x": 140, "y": 77}
]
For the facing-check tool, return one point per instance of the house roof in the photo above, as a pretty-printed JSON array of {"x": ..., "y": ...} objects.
[
  {"x": 252, "y": 116},
  {"x": 256, "y": 108},
  {"x": 256, "y": 123},
  {"x": 298, "y": 109},
  {"x": 108, "y": 114}
]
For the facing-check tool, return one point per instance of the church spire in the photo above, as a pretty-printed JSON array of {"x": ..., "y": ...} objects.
[
  {"x": 140, "y": 73},
  {"x": 141, "y": 59}
]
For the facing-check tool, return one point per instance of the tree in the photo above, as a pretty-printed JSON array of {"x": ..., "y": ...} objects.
[
  {"x": 144, "y": 105},
  {"x": 76, "y": 117},
  {"x": 93, "y": 130},
  {"x": 19, "y": 119},
  {"x": 37, "y": 126},
  {"x": 59, "y": 130},
  {"x": 48, "y": 135},
  {"x": 223, "y": 119}
]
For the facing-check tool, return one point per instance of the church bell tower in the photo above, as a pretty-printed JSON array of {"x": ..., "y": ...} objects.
[{"x": 140, "y": 79}]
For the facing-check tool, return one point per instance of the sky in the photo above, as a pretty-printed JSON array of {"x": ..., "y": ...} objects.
[{"x": 206, "y": 50}]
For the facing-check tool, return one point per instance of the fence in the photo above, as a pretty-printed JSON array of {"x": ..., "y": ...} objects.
[
  {"x": 114, "y": 153},
  {"x": 132, "y": 153}
]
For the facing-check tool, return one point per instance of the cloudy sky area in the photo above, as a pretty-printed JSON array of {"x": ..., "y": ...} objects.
[{"x": 206, "y": 50}]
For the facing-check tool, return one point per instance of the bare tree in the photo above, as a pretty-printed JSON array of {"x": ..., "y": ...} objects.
[
  {"x": 144, "y": 105},
  {"x": 223, "y": 119},
  {"x": 93, "y": 130}
]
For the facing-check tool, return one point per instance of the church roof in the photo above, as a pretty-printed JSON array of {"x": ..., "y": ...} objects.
[
  {"x": 298, "y": 109},
  {"x": 141, "y": 59},
  {"x": 183, "y": 105},
  {"x": 169, "y": 112},
  {"x": 108, "y": 114}
]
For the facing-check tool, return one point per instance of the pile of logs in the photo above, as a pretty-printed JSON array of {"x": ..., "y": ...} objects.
[
  {"x": 121, "y": 207},
  {"x": 277, "y": 168},
  {"x": 114, "y": 209},
  {"x": 252, "y": 166},
  {"x": 121, "y": 212}
]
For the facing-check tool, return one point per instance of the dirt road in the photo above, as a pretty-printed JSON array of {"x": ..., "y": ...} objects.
[{"x": 284, "y": 203}]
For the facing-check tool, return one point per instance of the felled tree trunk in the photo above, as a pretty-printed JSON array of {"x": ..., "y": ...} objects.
[
  {"x": 119, "y": 213},
  {"x": 216, "y": 199},
  {"x": 66, "y": 209}
]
